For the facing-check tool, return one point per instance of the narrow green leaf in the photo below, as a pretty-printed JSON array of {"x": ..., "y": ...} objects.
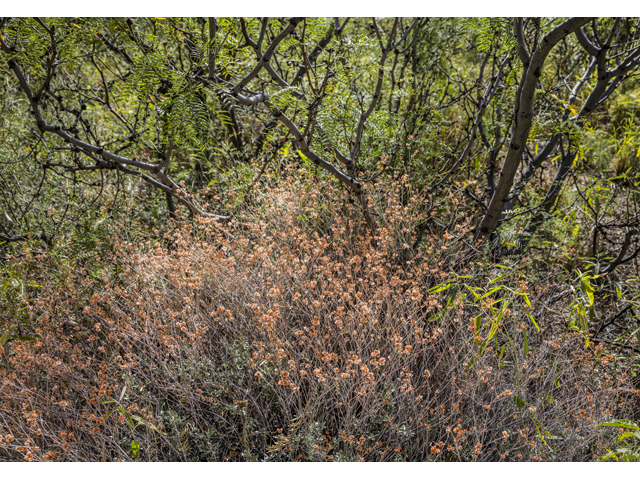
[
  {"x": 493, "y": 290},
  {"x": 532, "y": 319},
  {"x": 135, "y": 448},
  {"x": 628, "y": 434},
  {"x": 620, "y": 424},
  {"x": 5, "y": 337},
  {"x": 470, "y": 364},
  {"x": 526, "y": 298},
  {"x": 482, "y": 347},
  {"x": 441, "y": 287},
  {"x": 499, "y": 277},
  {"x": 476, "y": 296},
  {"x": 587, "y": 288}
]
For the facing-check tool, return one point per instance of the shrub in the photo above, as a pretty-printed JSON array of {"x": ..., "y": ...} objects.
[{"x": 296, "y": 335}]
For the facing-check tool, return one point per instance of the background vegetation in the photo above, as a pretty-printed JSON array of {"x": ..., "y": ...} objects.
[{"x": 320, "y": 239}]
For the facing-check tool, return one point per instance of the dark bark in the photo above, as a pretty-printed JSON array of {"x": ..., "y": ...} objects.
[{"x": 523, "y": 119}]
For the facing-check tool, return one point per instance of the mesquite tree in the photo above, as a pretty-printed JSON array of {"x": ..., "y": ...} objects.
[
  {"x": 471, "y": 107},
  {"x": 180, "y": 76},
  {"x": 612, "y": 57}
]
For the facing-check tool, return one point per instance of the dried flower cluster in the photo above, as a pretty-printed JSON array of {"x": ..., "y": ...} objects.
[{"x": 296, "y": 336}]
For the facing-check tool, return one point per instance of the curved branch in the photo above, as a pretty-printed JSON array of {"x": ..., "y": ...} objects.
[
  {"x": 102, "y": 155},
  {"x": 586, "y": 43},
  {"x": 518, "y": 33},
  {"x": 523, "y": 119},
  {"x": 376, "y": 94},
  {"x": 267, "y": 55},
  {"x": 623, "y": 251}
]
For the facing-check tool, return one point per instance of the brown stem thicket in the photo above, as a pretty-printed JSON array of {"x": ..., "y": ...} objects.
[{"x": 296, "y": 337}]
